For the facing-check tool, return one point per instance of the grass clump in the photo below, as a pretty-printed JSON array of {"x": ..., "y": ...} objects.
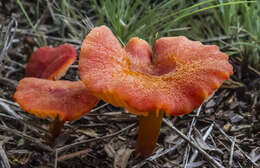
[{"x": 232, "y": 24}]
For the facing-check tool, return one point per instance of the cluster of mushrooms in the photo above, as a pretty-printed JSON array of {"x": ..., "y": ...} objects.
[{"x": 184, "y": 74}]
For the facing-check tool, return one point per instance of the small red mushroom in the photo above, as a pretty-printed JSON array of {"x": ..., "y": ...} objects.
[
  {"x": 50, "y": 63},
  {"x": 60, "y": 100},
  {"x": 184, "y": 75},
  {"x": 46, "y": 98}
]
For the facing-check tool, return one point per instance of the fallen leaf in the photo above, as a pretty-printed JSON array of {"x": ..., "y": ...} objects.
[
  {"x": 255, "y": 154},
  {"x": 109, "y": 150},
  {"x": 227, "y": 127},
  {"x": 121, "y": 157},
  {"x": 171, "y": 139}
]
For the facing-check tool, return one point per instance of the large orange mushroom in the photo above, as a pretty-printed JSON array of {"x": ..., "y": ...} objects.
[
  {"x": 184, "y": 75},
  {"x": 59, "y": 100}
]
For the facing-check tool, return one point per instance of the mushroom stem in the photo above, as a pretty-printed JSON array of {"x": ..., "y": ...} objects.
[
  {"x": 149, "y": 130},
  {"x": 55, "y": 129}
]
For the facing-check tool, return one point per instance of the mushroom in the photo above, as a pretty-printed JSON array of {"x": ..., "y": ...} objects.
[
  {"x": 60, "y": 100},
  {"x": 184, "y": 75},
  {"x": 50, "y": 63}
]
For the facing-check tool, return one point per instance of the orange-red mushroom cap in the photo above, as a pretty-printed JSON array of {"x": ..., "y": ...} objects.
[
  {"x": 50, "y": 63},
  {"x": 45, "y": 98},
  {"x": 185, "y": 73}
]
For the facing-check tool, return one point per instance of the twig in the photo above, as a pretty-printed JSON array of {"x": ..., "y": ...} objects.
[
  {"x": 7, "y": 116},
  {"x": 228, "y": 149},
  {"x": 26, "y": 122},
  {"x": 187, "y": 150},
  {"x": 204, "y": 153},
  {"x": 40, "y": 144},
  {"x": 232, "y": 152},
  {"x": 8, "y": 39},
  {"x": 72, "y": 155},
  {"x": 158, "y": 155},
  {"x": 13, "y": 115},
  {"x": 239, "y": 164},
  {"x": 9, "y": 102},
  {"x": 56, "y": 159},
  {"x": 249, "y": 67},
  {"x": 195, "y": 154},
  {"x": 11, "y": 71},
  {"x": 3, "y": 158},
  {"x": 49, "y": 5},
  {"x": 94, "y": 139},
  {"x": 173, "y": 163},
  {"x": 99, "y": 107},
  {"x": 221, "y": 38},
  {"x": 96, "y": 109},
  {"x": 8, "y": 59},
  {"x": 221, "y": 143},
  {"x": 10, "y": 111},
  {"x": 74, "y": 66},
  {"x": 213, "y": 141},
  {"x": 243, "y": 153},
  {"x": 21, "y": 31},
  {"x": 12, "y": 82},
  {"x": 88, "y": 23},
  {"x": 180, "y": 29}
]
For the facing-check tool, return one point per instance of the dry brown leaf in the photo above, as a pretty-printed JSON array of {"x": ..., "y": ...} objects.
[
  {"x": 109, "y": 150},
  {"x": 227, "y": 126},
  {"x": 255, "y": 154},
  {"x": 171, "y": 139},
  {"x": 121, "y": 157}
]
